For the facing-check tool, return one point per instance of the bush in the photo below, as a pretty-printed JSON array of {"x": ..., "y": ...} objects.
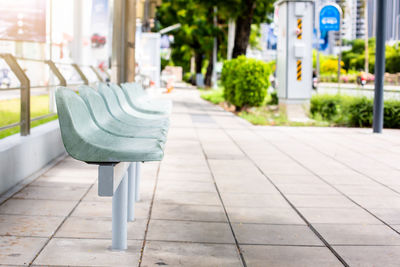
[
  {"x": 325, "y": 105},
  {"x": 353, "y": 111},
  {"x": 245, "y": 81},
  {"x": 360, "y": 112}
]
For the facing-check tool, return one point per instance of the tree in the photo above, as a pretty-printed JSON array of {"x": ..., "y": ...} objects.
[
  {"x": 196, "y": 35},
  {"x": 246, "y": 13}
]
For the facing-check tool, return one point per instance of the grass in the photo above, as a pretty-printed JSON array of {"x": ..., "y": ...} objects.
[
  {"x": 10, "y": 113},
  {"x": 264, "y": 115},
  {"x": 215, "y": 96},
  {"x": 271, "y": 115}
]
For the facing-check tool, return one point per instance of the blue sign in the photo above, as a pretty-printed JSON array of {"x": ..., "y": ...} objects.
[{"x": 329, "y": 18}]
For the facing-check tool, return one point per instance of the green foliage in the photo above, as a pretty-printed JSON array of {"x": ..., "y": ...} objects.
[
  {"x": 197, "y": 32},
  {"x": 229, "y": 75},
  {"x": 215, "y": 96},
  {"x": 360, "y": 112},
  {"x": 274, "y": 98},
  {"x": 255, "y": 35},
  {"x": 187, "y": 77},
  {"x": 245, "y": 81},
  {"x": 325, "y": 105},
  {"x": 353, "y": 111}
]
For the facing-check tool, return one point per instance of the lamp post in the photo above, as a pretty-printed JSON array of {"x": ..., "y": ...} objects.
[{"x": 379, "y": 65}]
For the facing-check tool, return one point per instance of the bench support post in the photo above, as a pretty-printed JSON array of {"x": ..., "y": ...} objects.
[
  {"x": 119, "y": 215},
  {"x": 137, "y": 181},
  {"x": 131, "y": 191}
]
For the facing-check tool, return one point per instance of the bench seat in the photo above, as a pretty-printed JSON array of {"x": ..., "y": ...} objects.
[
  {"x": 102, "y": 117},
  {"x": 85, "y": 141}
]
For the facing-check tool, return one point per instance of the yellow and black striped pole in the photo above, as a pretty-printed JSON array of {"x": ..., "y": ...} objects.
[
  {"x": 299, "y": 70},
  {"x": 299, "y": 29}
]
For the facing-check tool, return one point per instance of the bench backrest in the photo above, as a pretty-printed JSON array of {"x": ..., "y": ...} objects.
[
  {"x": 111, "y": 100},
  {"x": 75, "y": 122},
  {"x": 97, "y": 105}
]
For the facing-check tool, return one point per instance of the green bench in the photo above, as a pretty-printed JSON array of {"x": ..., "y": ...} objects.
[{"x": 96, "y": 129}]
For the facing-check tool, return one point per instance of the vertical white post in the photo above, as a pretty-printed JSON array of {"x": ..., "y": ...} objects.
[
  {"x": 137, "y": 181},
  {"x": 214, "y": 71},
  {"x": 119, "y": 215},
  {"x": 131, "y": 191},
  {"x": 231, "y": 37}
]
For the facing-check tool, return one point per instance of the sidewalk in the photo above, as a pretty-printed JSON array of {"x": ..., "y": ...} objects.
[{"x": 226, "y": 194}]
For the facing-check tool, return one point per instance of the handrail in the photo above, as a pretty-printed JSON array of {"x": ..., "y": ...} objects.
[
  {"x": 25, "y": 86},
  {"x": 25, "y": 115}
]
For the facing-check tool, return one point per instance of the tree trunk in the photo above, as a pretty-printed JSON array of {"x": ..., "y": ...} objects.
[
  {"x": 207, "y": 79},
  {"x": 243, "y": 30},
  {"x": 199, "y": 62},
  {"x": 198, "y": 58}
]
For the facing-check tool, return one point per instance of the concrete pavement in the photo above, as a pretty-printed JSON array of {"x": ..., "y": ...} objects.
[{"x": 226, "y": 194}]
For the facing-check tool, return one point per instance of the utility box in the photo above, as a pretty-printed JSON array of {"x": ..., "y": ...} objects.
[{"x": 294, "y": 50}]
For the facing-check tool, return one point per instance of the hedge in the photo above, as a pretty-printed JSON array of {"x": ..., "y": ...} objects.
[
  {"x": 354, "y": 111},
  {"x": 245, "y": 81}
]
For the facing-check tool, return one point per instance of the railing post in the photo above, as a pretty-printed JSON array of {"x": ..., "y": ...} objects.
[
  {"x": 56, "y": 72},
  {"x": 25, "y": 116},
  {"x": 81, "y": 74},
  {"x": 97, "y": 73},
  {"x": 61, "y": 79}
]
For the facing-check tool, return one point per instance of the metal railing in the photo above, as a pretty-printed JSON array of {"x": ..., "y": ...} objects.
[{"x": 25, "y": 86}]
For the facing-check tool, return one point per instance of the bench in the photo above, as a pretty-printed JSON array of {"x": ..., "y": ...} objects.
[{"x": 97, "y": 129}]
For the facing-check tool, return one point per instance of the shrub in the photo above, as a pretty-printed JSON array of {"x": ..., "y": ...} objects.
[
  {"x": 391, "y": 114},
  {"x": 229, "y": 77},
  {"x": 245, "y": 81},
  {"x": 325, "y": 105},
  {"x": 353, "y": 111},
  {"x": 360, "y": 112}
]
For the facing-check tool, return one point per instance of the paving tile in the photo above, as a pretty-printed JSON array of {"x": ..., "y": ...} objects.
[
  {"x": 263, "y": 215},
  {"x": 362, "y": 234},
  {"x": 103, "y": 209},
  {"x": 279, "y": 179},
  {"x": 320, "y": 201},
  {"x": 55, "y": 193},
  {"x": 19, "y": 250},
  {"x": 307, "y": 189},
  {"x": 244, "y": 186},
  {"x": 62, "y": 181},
  {"x": 185, "y": 176},
  {"x": 190, "y": 198},
  {"x": 87, "y": 252},
  {"x": 338, "y": 216},
  {"x": 84, "y": 173},
  {"x": 77, "y": 227},
  {"x": 37, "y": 207},
  {"x": 378, "y": 202},
  {"x": 186, "y": 186},
  {"x": 264, "y": 234},
  {"x": 189, "y": 254},
  {"x": 279, "y": 256},
  {"x": 365, "y": 190},
  {"x": 350, "y": 179},
  {"x": 188, "y": 212},
  {"x": 254, "y": 200},
  {"x": 33, "y": 226},
  {"x": 208, "y": 232},
  {"x": 370, "y": 256},
  {"x": 390, "y": 216}
]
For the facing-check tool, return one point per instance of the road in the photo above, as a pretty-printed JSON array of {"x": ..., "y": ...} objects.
[{"x": 391, "y": 91}]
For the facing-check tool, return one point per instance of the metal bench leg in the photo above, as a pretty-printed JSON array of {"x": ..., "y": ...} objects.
[
  {"x": 119, "y": 215},
  {"x": 137, "y": 181},
  {"x": 131, "y": 191}
]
